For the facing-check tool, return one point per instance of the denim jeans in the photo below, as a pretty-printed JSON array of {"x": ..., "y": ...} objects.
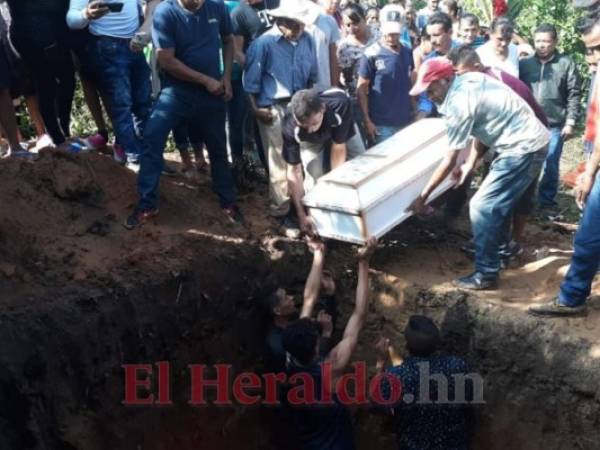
[
  {"x": 493, "y": 204},
  {"x": 548, "y": 187},
  {"x": 124, "y": 77},
  {"x": 576, "y": 286},
  {"x": 384, "y": 133},
  {"x": 178, "y": 105}
]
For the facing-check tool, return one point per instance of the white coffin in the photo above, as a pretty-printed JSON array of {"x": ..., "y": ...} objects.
[{"x": 369, "y": 195}]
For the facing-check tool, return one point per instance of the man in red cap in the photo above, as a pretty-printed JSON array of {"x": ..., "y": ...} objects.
[{"x": 475, "y": 105}]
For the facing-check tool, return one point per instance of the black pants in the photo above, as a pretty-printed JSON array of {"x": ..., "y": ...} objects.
[{"x": 54, "y": 77}]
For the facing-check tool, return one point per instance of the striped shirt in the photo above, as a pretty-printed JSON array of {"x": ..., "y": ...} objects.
[
  {"x": 478, "y": 105},
  {"x": 277, "y": 68}
]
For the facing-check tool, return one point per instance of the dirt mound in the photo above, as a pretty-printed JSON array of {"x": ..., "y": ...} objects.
[{"x": 63, "y": 215}]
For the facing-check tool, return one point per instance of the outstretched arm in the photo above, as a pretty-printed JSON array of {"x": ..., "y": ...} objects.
[
  {"x": 341, "y": 353},
  {"x": 313, "y": 283}
]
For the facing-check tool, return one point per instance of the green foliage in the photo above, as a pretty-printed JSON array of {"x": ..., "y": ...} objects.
[
  {"x": 529, "y": 14},
  {"x": 563, "y": 16},
  {"x": 82, "y": 123}
]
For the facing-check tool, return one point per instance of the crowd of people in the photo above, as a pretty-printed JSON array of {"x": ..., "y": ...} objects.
[{"x": 303, "y": 86}]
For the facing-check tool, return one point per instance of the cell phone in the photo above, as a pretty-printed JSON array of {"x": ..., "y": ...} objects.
[{"x": 113, "y": 7}]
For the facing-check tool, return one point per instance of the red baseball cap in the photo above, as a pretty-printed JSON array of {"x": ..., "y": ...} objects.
[{"x": 431, "y": 70}]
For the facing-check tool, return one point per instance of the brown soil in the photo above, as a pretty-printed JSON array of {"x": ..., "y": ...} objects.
[{"x": 80, "y": 295}]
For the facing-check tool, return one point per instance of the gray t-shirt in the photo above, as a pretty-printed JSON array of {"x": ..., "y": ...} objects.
[
  {"x": 478, "y": 105},
  {"x": 324, "y": 32}
]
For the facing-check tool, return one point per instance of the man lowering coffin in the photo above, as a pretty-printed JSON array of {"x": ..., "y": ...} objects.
[
  {"x": 316, "y": 123},
  {"x": 477, "y": 106}
]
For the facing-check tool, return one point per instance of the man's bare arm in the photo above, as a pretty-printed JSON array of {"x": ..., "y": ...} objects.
[
  {"x": 362, "y": 94},
  {"x": 295, "y": 179},
  {"x": 238, "y": 50},
  {"x": 339, "y": 153},
  {"x": 148, "y": 13},
  {"x": 313, "y": 282},
  {"x": 443, "y": 170},
  {"x": 342, "y": 352},
  {"x": 334, "y": 67}
]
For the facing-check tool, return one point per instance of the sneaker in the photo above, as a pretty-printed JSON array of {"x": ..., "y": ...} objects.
[
  {"x": 477, "y": 282},
  {"x": 95, "y": 141},
  {"x": 234, "y": 215},
  {"x": 22, "y": 151},
  {"x": 119, "y": 154},
  {"x": 555, "y": 309},
  {"x": 139, "y": 217},
  {"x": 134, "y": 166},
  {"x": 44, "y": 141},
  {"x": 290, "y": 226}
]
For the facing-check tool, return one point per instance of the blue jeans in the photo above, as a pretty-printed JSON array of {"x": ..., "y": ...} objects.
[
  {"x": 548, "y": 187},
  {"x": 576, "y": 286},
  {"x": 177, "y": 105},
  {"x": 385, "y": 132},
  {"x": 124, "y": 77},
  {"x": 492, "y": 206}
]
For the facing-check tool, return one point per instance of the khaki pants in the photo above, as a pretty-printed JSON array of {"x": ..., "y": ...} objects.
[
  {"x": 312, "y": 156},
  {"x": 272, "y": 139}
]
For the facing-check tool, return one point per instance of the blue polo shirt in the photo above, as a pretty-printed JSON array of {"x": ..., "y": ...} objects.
[
  {"x": 389, "y": 76},
  {"x": 195, "y": 36}
]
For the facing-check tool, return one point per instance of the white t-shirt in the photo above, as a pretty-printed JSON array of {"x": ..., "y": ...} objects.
[{"x": 489, "y": 58}]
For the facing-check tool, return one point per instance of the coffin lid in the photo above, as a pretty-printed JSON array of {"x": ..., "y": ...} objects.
[
  {"x": 359, "y": 170},
  {"x": 350, "y": 187}
]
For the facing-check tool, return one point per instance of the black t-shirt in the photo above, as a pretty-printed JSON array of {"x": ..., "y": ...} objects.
[
  {"x": 320, "y": 427},
  {"x": 274, "y": 352},
  {"x": 252, "y": 21},
  {"x": 39, "y": 21},
  {"x": 337, "y": 126}
]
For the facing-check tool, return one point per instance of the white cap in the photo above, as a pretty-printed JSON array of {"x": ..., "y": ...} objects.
[
  {"x": 303, "y": 11},
  {"x": 391, "y": 19}
]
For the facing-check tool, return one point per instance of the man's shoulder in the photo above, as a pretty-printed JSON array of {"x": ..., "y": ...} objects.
[
  {"x": 373, "y": 50},
  {"x": 529, "y": 61},
  {"x": 242, "y": 9},
  {"x": 335, "y": 98},
  {"x": 325, "y": 21},
  {"x": 216, "y": 5},
  {"x": 166, "y": 7},
  {"x": 268, "y": 37},
  {"x": 453, "y": 364},
  {"x": 564, "y": 60},
  {"x": 405, "y": 50}
]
